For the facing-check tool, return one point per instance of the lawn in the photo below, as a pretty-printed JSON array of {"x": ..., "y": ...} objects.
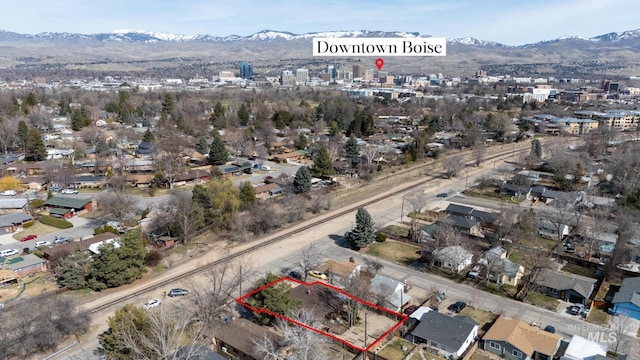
[
  {"x": 544, "y": 301},
  {"x": 580, "y": 270},
  {"x": 393, "y": 350},
  {"x": 495, "y": 197},
  {"x": 517, "y": 256},
  {"x": 598, "y": 316},
  {"x": 394, "y": 251},
  {"x": 480, "y": 316},
  {"x": 37, "y": 228},
  {"x": 398, "y": 232},
  {"x": 541, "y": 242}
]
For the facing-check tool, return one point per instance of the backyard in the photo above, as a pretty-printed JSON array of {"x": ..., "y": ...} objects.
[{"x": 394, "y": 251}]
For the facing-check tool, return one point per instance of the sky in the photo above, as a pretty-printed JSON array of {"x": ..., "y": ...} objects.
[{"x": 505, "y": 21}]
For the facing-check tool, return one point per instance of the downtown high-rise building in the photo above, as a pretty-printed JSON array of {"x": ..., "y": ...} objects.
[
  {"x": 358, "y": 71},
  {"x": 302, "y": 75},
  {"x": 287, "y": 78},
  {"x": 246, "y": 70}
]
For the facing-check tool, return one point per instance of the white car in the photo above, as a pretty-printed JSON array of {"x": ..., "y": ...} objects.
[
  {"x": 69, "y": 191},
  {"x": 151, "y": 304},
  {"x": 42, "y": 243},
  {"x": 9, "y": 193},
  {"x": 8, "y": 252}
]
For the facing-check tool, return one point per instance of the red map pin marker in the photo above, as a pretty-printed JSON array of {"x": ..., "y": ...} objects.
[{"x": 379, "y": 63}]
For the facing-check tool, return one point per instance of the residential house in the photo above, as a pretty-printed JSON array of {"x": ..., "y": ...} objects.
[
  {"x": 68, "y": 204},
  {"x": 288, "y": 156},
  {"x": 25, "y": 264},
  {"x": 94, "y": 248},
  {"x": 140, "y": 180},
  {"x": 192, "y": 177},
  {"x": 450, "y": 336},
  {"x": 267, "y": 191},
  {"x": 234, "y": 338},
  {"x": 459, "y": 210},
  {"x": 455, "y": 258},
  {"x": 516, "y": 340},
  {"x": 393, "y": 292},
  {"x": 13, "y": 203},
  {"x": 520, "y": 191},
  {"x": 34, "y": 182},
  {"x": 339, "y": 272},
  {"x": 627, "y": 300},
  {"x": 573, "y": 288},
  {"x": 550, "y": 229},
  {"x": 500, "y": 269},
  {"x": 465, "y": 225},
  {"x": 88, "y": 181},
  {"x": 580, "y": 348},
  {"x": 11, "y": 223},
  {"x": 228, "y": 171},
  {"x": 56, "y": 251},
  {"x": 8, "y": 277},
  {"x": 145, "y": 148}
]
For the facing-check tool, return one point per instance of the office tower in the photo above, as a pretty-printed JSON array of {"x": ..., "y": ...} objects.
[
  {"x": 302, "y": 75},
  {"x": 287, "y": 78},
  {"x": 368, "y": 75},
  {"x": 358, "y": 71},
  {"x": 331, "y": 70},
  {"x": 246, "y": 70}
]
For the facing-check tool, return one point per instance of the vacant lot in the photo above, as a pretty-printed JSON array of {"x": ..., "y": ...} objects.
[
  {"x": 394, "y": 251},
  {"x": 544, "y": 301}
]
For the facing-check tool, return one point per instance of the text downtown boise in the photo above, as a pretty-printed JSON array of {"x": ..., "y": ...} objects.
[{"x": 379, "y": 47}]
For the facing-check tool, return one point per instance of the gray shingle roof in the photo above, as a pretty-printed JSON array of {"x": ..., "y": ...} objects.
[
  {"x": 14, "y": 219},
  {"x": 67, "y": 202},
  {"x": 444, "y": 329},
  {"x": 463, "y": 222},
  {"x": 555, "y": 280},
  {"x": 629, "y": 292},
  {"x": 455, "y": 209}
]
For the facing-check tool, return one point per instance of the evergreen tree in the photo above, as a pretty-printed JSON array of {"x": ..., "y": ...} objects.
[
  {"x": 536, "y": 149},
  {"x": 247, "y": 195},
  {"x": 243, "y": 115},
  {"x": 73, "y": 270},
  {"x": 351, "y": 147},
  {"x": 167, "y": 105},
  {"x": 302, "y": 141},
  {"x": 23, "y": 131},
  {"x": 148, "y": 136},
  {"x": 322, "y": 164},
  {"x": 30, "y": 100},
  {"x": 35, "y": 149},
  {"x": 202, "y": 146},
  {"x": 116, "y": 266},
  {"x": 129, "y": 321},
  {"x": 80, "y": 118},
  {"x": 276, "y": 298},
  {"x": 218, "y": 118},
  {"x": 302, "y": 180},
  {"x": 101, "y": 146},
  {"x": 218, "y": 154},
  {"x": 334, "y": 129},
  {"x": 363, "y": 233}
]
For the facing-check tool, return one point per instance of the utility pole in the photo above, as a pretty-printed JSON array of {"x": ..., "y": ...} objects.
[
  {"x": 466, "y": 182},
  {"x": 365, "y": 329},
  {"x": 402, "y": 210}
]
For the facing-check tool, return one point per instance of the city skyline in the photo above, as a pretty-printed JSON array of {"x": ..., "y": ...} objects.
[{"x": 509, "y": 23}]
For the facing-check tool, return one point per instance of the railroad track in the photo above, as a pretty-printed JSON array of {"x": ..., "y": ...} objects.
[{"x": 281, "y": 237}]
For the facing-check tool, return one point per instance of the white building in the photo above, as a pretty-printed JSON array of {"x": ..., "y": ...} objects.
[
  {"x": 455, "y": 258},
  {"x": 302, "y": 75},
  {"x": 582, "y": 349}
]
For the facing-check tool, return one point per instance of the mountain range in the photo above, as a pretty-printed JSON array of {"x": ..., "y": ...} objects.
[{"x": 616, "y": 53}]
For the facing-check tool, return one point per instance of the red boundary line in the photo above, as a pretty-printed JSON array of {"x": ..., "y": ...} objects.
[{"x": 241, "y": 301}]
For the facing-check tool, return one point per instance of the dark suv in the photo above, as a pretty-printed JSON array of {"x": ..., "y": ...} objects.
[
  {"x": 457, "y": 306},
  {"x": 178, "y": 292}
]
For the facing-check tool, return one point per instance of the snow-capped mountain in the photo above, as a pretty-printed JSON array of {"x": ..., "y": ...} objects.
[{"x": 618, "y": 36}]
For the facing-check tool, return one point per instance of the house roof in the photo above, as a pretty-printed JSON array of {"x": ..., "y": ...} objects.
[
  {"x": 555, "y": 280},
  {"x": 89, "y": 178},
  {"x": 83, "y": 245},
  {"x": 240, "y": 334},
  {"x": 13, "y": 203},
  {"x": 341, "y": 268},
  {"x": 484, "y": 216},
  {"x": 629, "y": 292},
  {"x": 452, "y": 252},
  {"x": 456, "y": 209},
  {"x": 580, "y": 348},
  {"x": 463, "y": 222},
  {"x": 14, "y": 219},
  {"x": 507, "y": 267},
  {"x": 59, "y": 211},
  {"x": 67, "y": 202},
  {"x": 24, "y": 261},
  {"x": 444, "y": 329},
  {"x": 398, "y": 298},
  {"x": 265, "y": 188},
  {"x": 523, "y": 336},
  {"x": 516, "y": 188}
]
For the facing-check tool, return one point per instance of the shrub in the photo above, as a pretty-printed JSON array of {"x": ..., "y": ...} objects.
[
  {"x": 380, "y": 236},
  {"x": 153, "y": 258},
  {"x": 27, "y": 225},
  {"x": 105, "y": 229},
  {"x": 55, "y": 222},
  {"x": 37, "y": 203}
]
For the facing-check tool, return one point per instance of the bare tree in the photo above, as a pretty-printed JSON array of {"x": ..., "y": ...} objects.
[
  {"x": 453, "y": 165},
  {"x": 237, "y": 140},
  {"x": 371, "y": 153},
  {"x": 478, "y": 153},
  {"x": 358, "y": 286},
  {"x": 296, "y": 343},
  {"x": 534, "y": 265},
  {"x": 416, "y": 201},
  {"x": 620, "y": 325},
  {"x": 170, "y": 158},
  {"x": 180, "y": 210},
  {"x": 310, "y": 258},
  {"x": 117, "y": 205}
]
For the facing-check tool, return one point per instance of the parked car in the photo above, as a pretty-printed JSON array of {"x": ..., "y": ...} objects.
[
  {"x": 8, "y": 252},
  {"x": 151, "y": 304},
  {"x": 410, "y": 309},
  {"x": 178, "y": 292},
  {"x": 457, "y": 306},
  {"x": 442, "y": 195},
  {"x": 294, "y": 275},
  {"x": 56, "y": 188},
  {"x": 265, "y": 168},
  {"x": 29, "y": 237},
  {"x": 575, "y": 309},
  {"x": 60, "y": 239},
  {"x": 9, "y": 193},
  {"x": 317, "y": 274},
  {"x": 550, "y": 329},
  {"x": 69, "y": 191},
  {"x": 42, "y": 243}
]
